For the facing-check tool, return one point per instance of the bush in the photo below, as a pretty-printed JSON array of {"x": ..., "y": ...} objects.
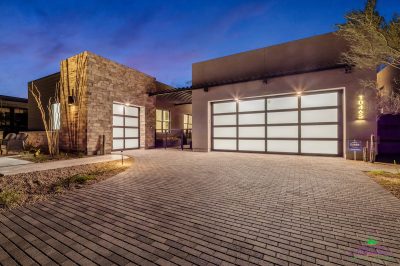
[{"x": 10, "y": 197}]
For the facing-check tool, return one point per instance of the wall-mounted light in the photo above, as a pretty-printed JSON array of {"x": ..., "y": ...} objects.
[
  {"x": 236, "y": 99},
  {"x": 71, "y": 100},
  {"x": 298, "y": 93},
  {"x": 360, "y": 107}
]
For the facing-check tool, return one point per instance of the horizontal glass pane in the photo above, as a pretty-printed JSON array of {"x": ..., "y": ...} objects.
[
  {"x": 158, "y": 125},
  {"x": 118, "y": 132},
  {"x": 316, "y": 116},
  {"x": 318, "y": 146},
  {"x": 320, "y": 131},
  {"x": 166, "y": 115},
  {"x": 118, "y": 144},
  {"x": 185, "y": 119},
  {"x": 132, "y": 111},
  {"x": 131, "y": 143},
  {"x": 251, "y": 145},
  {"x": 221, "y": 120},
  {"x": 283, "y": 146},
  {"x": 131, "y": 133},
  {"x": 224, "y": 132},
  {"x": 166, "y": 125},
  {"x": 224, "y": 144},
  {"x": 252, "y": 119},
  {"x": 118, "y": 121},
  {"x": 251, "y": 106},
  {"x": 190, "y": 119},
  {"x": 251, "y": 132},
  {"x": 282, "y": 103},
  {"x": 319, "y": 100},
  {"x": 228, "y": 107},
  {"x": 131, "y": 122},
  {"x": 159, "y": 115},
  {"x": 282, "y": 117},
  {"x": 283, "y": 132},
  {"x": 118, "y": 109}
]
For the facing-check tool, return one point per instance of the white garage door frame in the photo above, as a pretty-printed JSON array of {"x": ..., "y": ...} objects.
[
  {"x": 125, "y": 127},
  {"x": 268, "y": 136}
]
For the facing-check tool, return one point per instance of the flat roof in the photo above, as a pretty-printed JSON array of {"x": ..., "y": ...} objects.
[{"x": 13, "y": 99}]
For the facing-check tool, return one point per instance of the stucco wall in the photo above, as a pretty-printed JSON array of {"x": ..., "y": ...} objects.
[
  {"x": 329, "y": 79},
  {"x": 47, "y": 88},
  {"x": 110, "y": 82}
]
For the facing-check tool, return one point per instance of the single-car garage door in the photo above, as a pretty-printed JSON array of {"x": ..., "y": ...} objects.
[
  {"x": 125, "y": 127},
  {"x": 307, "y": 124}
]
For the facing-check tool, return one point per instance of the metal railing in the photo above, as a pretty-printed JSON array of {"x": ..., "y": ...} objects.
[{"x": 174, "y": 138}]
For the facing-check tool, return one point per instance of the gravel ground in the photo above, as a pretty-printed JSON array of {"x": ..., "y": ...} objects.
[{"x": 31, "y": 187}]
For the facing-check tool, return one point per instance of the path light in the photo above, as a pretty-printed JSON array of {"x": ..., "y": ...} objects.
[{"x": 122, "y": 157}]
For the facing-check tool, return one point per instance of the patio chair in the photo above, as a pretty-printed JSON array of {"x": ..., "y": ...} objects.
[
  {"x": 5, "y": 142},
  {"x": 17, "y": 144}
]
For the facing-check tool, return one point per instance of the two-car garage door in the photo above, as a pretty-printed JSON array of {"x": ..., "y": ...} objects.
[{"x": 307, "y": 124}]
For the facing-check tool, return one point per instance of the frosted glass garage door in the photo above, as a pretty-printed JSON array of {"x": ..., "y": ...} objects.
[
  {"x": 125, "y": 127},
  {"x": 306, "y": 124}
]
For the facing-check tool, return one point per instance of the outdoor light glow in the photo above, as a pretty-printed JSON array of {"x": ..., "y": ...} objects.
[
  {"x": 360, "y": 107},
  {"x": 237, "y": 100},
  {"x": 299, "y": 93}
]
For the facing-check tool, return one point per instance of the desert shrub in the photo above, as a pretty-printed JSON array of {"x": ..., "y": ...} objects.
[{"x": 10, "y": 197}]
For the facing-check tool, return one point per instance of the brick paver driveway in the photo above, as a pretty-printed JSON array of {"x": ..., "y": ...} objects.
[{"x": 213, "y": 208}]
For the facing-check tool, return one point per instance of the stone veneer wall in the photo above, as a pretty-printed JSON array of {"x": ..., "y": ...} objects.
[
  {"x": 37, "y": 139},
  {"x": 74, "y": 76},
  {"x": 109, "y": 82}
]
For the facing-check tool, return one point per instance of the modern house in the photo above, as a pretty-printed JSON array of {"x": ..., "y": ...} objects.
[
  {"x": 13, "y": 115},
  {"x": 291, "y": 98}
]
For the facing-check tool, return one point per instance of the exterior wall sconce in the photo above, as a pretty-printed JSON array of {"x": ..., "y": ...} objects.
[
  {"x": 71, "y": 100},
  {"x": 360, "y": 107}
]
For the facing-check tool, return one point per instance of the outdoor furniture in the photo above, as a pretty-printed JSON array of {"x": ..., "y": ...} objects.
[
  {"x": 5, "y": 142},
  {"x": 17, "y": 144}
]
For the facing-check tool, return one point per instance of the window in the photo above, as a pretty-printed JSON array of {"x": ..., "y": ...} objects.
[
  {"x": 55, "y": 116},
  {"x": 162, "y": 121},
  {"x": 187, "y": 122},
  {"x": 5, "y": 116}
]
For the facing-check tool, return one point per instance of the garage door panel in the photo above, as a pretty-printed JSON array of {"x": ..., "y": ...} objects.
[
  {"x": 224, "y": 132},
  {"x": 131, "y": 122},
  {"x": 283, "y": 132},
  {"x": 289, "y": 117},
  {"x": 251, "y": 145},
  {"x": 118, "y": 121},
  {"x": 319, "y": 131},
  {"x": 118, "y": 132},
  {"x": 252, "y": 105},
  {"x": 319, "y": 116},
  {"x": 225, "y": 144},
  {"x": 131, "y": 111},
  {"x": 118, "y": 109},
  {"x": 131, "y": 132},
  {"x": 319, "y": 100},
  {"x": 251, "y": 132},
  {"x": 131, "y": 143},
  {"x": 224, "y": 120},
  {"x": 290, "y": 146},
  {"x": 319, "y": 147},
  {"x": 282, "y": 103},
  {"x": 252, "y": 119},
  {"x": 118, "y": 144},
  {"x": 228, "y": 107}
]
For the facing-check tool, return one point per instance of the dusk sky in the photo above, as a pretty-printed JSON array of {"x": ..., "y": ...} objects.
[{"x": 160, "y": 38}]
